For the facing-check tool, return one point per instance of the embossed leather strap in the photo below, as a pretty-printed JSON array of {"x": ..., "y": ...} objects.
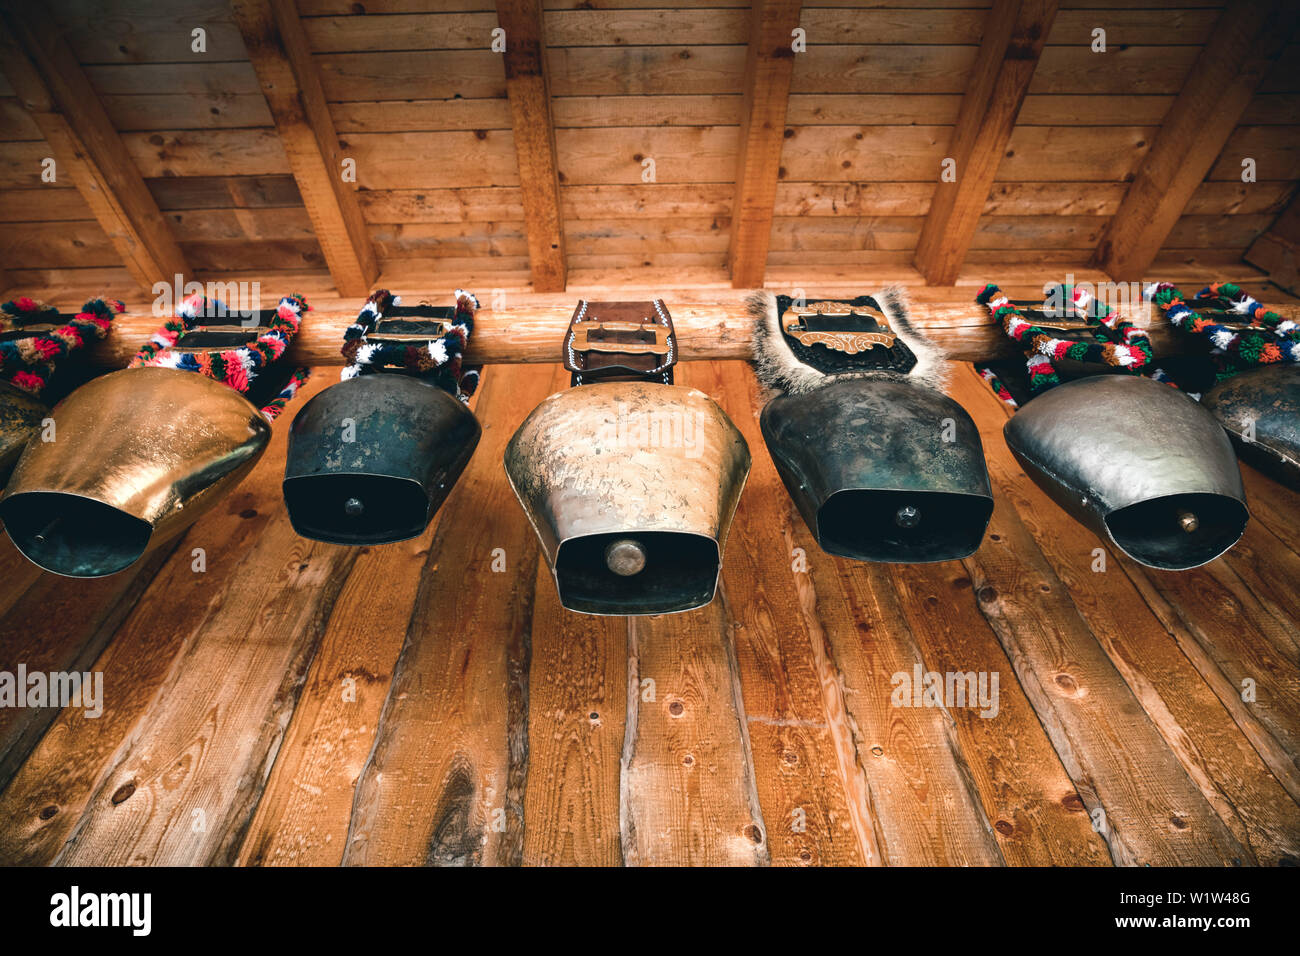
[{"x": 620, "y": 342}]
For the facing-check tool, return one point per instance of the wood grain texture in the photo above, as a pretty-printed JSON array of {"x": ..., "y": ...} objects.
[
  {"x": 444, "y": 782},
  {"x": 1026, "y": 793},
  {"x": 278, "y": 48},
  {"x": 1212, "y": 741},
  {"x": 512, "y": 731},
  {"x": 184, "y": 790},
  {"x": 1237, "y": 645},
  {"x": 1012, "y": 42},
  {"x": 769, "y": 64},
  {"x": 577, "y": 709},
  {"x": 809, "y": 786},
  {"x": 1277, "y": 250},
  {"x": 1147, "y": 808},
  {"x": 59, "y": 787},
  {"x": 61, "y": 626},
  {"x": 534, "y": 136},
  {"x": 923, "y": 799},
  {"x": 85, "y": 146},
  {"x": 1245, "y": 41},
  {"x": 302, "y": 817},
  {"x": 688, "y": 795}
]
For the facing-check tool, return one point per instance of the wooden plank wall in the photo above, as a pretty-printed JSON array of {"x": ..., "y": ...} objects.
[
  {"x": 278, "y": 720},
  {"x": 419, "y": 101}
]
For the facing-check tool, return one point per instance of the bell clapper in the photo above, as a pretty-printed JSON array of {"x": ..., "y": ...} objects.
[
  {"x": 354, "y": 507},
  {"x": 625, "y": 557},
  {"x": 907, "y": 516},
  {"x": 1188, "y": 521},
  {"x": 40, "y": 536}
]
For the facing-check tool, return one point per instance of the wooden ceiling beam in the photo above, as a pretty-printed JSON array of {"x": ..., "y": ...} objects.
[
  {"x": 281, "y": 57},
  {"x": 85, "y": 147},
  {"x": 1014, "y": 35},
  {"x": 1248, "y": 37},
  {"x": 768, "y": 68},
  {"x": 1277, "y": 249},
  {"x": 534, "y": 135},
  {"x": 712, "y": 325}
]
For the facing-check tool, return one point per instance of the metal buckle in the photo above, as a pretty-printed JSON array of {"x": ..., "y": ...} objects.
[
  {"x": 640, "y": 332},
  {"x": 631, "y": 338},
  {"x": 870, "y": 332},
  {"x": 210, "y": 339},
  {"x": 407, "y": 331}
]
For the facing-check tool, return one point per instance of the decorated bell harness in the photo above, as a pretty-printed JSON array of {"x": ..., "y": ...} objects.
[
  {"x": 1116, "y": 342},
  {"x": 28, "y": 361},
  {"x": 620, "y": 341},
  {"x": 999, "y": 389},
  {"x": 1245, "y": 335},
  {"x": 427, "y": 341},
  {"x": 235, "y": 367}
]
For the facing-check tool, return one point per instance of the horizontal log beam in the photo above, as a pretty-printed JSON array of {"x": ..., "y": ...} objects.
[{"x": 716, "y": 327}]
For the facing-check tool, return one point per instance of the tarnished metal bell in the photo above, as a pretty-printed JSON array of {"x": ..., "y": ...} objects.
[
  {"x": 882, "y": 470},
  {"x": 1140, "y": 463},
  {"x": 21, "y": 414},
  {"x": 631, "y": 488},
  {"x": 880, "y": 463},
  {"x": 1260, "y": 410},
  {"x": 372, "y": 458},
  {"x": 137, "y": 456}
]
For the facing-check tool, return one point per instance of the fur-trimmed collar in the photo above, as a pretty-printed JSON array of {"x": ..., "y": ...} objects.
[{"x": 778, "y": 368}]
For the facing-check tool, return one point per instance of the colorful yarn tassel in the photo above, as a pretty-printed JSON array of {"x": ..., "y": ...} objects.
[
  {"x": 1118, "y": 343},
  {"x": 1267, "y": 339},
  {"x": 237, "y": 367},
  {"x": 273, "y": 408},
  {"x": 438, "y": 360},
  {"x": 999, "y": 389},
  {"x": 29, "y": 361}
]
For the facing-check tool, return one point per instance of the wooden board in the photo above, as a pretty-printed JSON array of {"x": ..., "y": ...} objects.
[
  {"x": 1012, "y": 43},
  {"x": 533, "y": 131},
  {"x": 1148, "y": 810},
  {"x": 282, "y": 725},
  {"x": 477, "y": 721},
  {"x": 1216, "y": 742},
  {"x": 444, "y": 781},
  {"x": 280, "y": 54},
  {"x": 811, "y": 787}
]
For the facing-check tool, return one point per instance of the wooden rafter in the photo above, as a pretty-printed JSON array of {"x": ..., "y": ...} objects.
[
  {"x": 768, "y": 68},
  {"x": 1247, "y": 38},
  {"x": 1277, "y": 250},
  {"x": 1014, "y": 35},
  {"x": 84, "y": 145},
  {"x": 534, "y": 135},
  {"x": 277, "y": 46}
]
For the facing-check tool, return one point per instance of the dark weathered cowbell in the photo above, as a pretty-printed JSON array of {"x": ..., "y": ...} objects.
[
  {"x": 137, "y": 456},
  {"x": 882, "y": 470},
  {"x": 1139, "y": 463},
  {"x": 880, "y": 463},
  {"x": 1260, "y": 410},
  {"x": 631, "y": 488},
  {"x": 372, "y": 458},
  {"x": 21, "y": 415}
]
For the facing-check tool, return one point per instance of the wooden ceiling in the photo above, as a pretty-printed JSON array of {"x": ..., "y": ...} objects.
[{"x": 617, "y": 136}]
